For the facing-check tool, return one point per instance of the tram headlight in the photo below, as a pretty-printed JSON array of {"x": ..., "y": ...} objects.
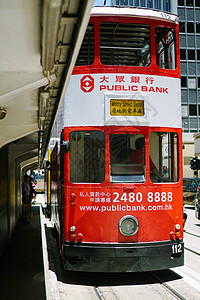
[{"x": 128, "y": 225}]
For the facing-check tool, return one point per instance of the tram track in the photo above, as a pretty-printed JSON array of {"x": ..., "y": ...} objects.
[
  {"x": 191, "y": 233},
  {"x": 189, "y": 249},
  {"x": 108, "y": 293},
  {"x": 169, "y": 289},
  {"x": 194, "y": 252},
  {"x": 118, "y": 290}
]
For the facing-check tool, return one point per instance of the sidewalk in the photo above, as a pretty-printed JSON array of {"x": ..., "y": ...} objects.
[{"x": 21, "y": 267}]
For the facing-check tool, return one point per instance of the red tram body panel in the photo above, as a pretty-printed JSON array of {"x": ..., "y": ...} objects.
[{"x": 116, "y": 182}]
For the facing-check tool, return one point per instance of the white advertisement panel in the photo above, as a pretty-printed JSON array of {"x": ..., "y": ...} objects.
[{"x": 122, "y": 99}]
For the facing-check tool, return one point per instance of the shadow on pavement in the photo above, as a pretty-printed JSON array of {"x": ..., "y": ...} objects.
[{"x": 21, "y": 267}]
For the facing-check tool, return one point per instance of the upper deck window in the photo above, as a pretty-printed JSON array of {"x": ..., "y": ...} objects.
[
  {"x": 125, "y": 44},
  {"x": 165, "y": 48},
  {"x": 86, "y": 53}
]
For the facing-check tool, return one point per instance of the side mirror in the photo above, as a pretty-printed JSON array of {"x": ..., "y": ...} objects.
[{"x": 65, "y": 146}]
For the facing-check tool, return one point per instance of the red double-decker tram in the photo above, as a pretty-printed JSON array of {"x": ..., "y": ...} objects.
[{"x": 116, "y": 184}]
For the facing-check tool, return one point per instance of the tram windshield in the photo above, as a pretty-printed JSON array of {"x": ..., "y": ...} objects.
[{"x": 127, "y": 157}]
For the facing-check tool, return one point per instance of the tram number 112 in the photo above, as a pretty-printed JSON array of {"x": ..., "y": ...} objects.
[{"x": 176, "y": 250}]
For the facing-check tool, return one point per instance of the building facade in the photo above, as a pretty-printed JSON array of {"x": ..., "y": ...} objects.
[
  {"x": 164, "y": 5},
  {"x": 189, "y": 16}
]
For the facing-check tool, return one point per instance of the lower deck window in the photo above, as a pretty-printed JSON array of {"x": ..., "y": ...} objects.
[
  {"x": 87, "y": 156},
  {"x": 163, "y": 147},
  {"x": 128, "y": 158}
]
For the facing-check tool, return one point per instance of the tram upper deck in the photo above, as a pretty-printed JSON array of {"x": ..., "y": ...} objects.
[{"x": 129, "y": 63}]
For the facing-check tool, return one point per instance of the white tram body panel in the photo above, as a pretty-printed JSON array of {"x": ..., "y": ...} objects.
[{"x": 87, "y": 101}]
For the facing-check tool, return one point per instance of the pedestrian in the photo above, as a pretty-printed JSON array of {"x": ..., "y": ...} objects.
[
  {"x": 26, "y": 190},
  {"x": 26, "y": 199}
]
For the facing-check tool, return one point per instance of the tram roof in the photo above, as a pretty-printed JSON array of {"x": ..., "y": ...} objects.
[{"x": 131, "y": 11}]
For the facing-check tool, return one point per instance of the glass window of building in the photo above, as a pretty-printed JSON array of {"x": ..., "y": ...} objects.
[
  {"x": 157, "y": 4},
  {"x": 183, "y": 81},
  {"x": 143, "y": 3},
  {"x": 184, "y": 110},
  {"x": 150, "y": 3},
  {"x": 166, "y": 5},
  {"x": 190, "y": 27},
  {"x": 165, "y": 48},
  {"x": 189, "y": 3},
  {"x": 185, "y": 124},
  {"x": 191, "y": 54},
  {"x": 125, "y": 2},
  {"x": 182, "y": 54},
  {"x": 181, "y": 26},
  {"x": 191, "y": 83},
  {"x": 197, "y": 27},
  {"x": 192, "y": 109},
  {"x": 198, "y": 54},
  {"x": 197, "y": 3},
  {"x": 181, "y": 3},
  {"x": 125, "y": 44}
]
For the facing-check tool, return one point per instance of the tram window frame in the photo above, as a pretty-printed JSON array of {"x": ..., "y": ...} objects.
[
  {"x": 87, "y": 156},
  {"x": 116, "y": 36},
  {"x": 165, "y": 48},
  {"x": 127, "y": 158},
  {"x": 165, "y": 155}
]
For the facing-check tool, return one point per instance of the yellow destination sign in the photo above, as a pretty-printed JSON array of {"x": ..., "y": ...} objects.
[{"x": 126, "y": 107}]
